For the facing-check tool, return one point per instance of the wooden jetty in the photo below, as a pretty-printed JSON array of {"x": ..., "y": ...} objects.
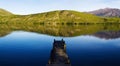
[{"x": 58, "y": 55}]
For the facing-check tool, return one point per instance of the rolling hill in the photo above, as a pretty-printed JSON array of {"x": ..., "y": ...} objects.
[
  {"x": 55, "y": 17},
  {"x": 62, "y": 16},
  {"x": 59, "y": 16}
]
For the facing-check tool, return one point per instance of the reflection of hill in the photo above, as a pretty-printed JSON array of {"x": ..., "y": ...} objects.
[
  {"x": 4, "y": 30},
  {"x": 3, "y": 33},
  {"x": 108, "y": 34},
  {"x": 57, "y": 30}
]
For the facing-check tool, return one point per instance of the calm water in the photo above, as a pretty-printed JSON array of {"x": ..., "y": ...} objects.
[{"x": 21, "y": 48}]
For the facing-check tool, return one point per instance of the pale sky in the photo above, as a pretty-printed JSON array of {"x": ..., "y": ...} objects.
[{"x": 38, "y": 6}]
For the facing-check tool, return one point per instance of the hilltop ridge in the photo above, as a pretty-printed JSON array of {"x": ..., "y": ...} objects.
[{"x": 4, "y": 12}]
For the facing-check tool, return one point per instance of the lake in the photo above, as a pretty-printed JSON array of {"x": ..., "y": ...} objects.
[{"x": 85, "y": 45}]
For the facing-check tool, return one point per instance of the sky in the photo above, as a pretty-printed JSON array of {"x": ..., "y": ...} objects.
[{"x": 38, "y": 6}]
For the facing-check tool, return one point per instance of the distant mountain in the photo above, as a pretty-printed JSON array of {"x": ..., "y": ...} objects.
[
  {"x": 4, "y": 13},
  {"x": 107, "y": 12}
]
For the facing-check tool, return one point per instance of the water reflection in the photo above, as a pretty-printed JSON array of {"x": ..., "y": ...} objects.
[
  {"x": 58, "y": 55},
  {"x": 33, "y": 49},
  {"x": 87, "y": 45},
  {"x": 58, "y": 30},
  {"x": 108, "y": 34}
]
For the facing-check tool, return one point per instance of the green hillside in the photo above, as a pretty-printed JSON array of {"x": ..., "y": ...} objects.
[
  {"x": 4, "y": 13},
  {"x": 63, "y": 16},
  {"x": 56, "y": 17}
]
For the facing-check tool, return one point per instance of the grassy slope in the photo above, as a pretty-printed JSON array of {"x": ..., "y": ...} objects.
[
  {"x": 54, "y": 16},
  {"x": 60, "y": 16},
  {"x": 63, "y": 16},
  {"x": 5, "y": 13}
]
